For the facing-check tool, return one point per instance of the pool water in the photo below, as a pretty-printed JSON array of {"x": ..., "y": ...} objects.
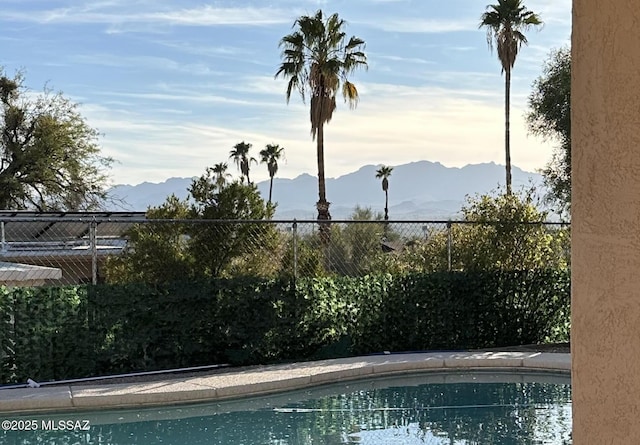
[{"x": 480, "y": 408}]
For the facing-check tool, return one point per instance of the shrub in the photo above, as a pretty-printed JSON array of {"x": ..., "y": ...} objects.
[{"x": 56, "y": 333}]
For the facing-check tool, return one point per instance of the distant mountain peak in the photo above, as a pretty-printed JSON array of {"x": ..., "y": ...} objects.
[{"x": 417, "y": 190}]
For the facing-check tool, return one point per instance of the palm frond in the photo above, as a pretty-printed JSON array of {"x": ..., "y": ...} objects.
[
  {"x": 505, "y": 23},
  {"x": 317, "y": 59},
  {"x": 270, "y": 156},
  {"x": 350, "y": 94},
  {"x": 354, "y": 42},
  {"x": 322, "y": 108},
  {"x": 384, "y": 171}
]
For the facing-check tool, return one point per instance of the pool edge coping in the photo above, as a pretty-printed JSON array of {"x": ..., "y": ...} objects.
[{"x": 267, "y": 379}]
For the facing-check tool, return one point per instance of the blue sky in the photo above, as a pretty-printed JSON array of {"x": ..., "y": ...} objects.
[{"x": 173, "y": 85}]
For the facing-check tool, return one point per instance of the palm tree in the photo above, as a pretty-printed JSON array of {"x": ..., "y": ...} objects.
[
  {"x": 270, "y": 156},
  {"x": 384, "y": 172},
  {"x": 240, "y": 155},
  {"x": 505, "y": 23},
  {"x": 317, "y": 59},
  {"x": 220, "y": 170}
]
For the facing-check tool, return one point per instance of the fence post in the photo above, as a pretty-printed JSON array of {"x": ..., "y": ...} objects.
[
  {"x": 4, "y": 240},
  {"x": 449, "y": 245},
  {"x": 93, "y": 226},
  {"x": 295, "y": 249}
]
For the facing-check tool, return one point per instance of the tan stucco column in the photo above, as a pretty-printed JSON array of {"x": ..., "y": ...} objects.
[{"x": 606, "y": 222}]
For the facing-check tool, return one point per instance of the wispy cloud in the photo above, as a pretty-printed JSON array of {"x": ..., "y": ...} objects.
[
  {"x": 145, "y": 62},
  {"x": 420, "y": 25},
  {"x": 212, "y": 50},
  {"x": 211, "y": 16},
  {"x": 553, "y": 11},
  {"x": 197, "y": 77},
  {"x": 189, "y": 97},
  {"x": 400, "y": 59},
  {"x": 393, "y": 124},
  {"x": 201, "y": 16}
]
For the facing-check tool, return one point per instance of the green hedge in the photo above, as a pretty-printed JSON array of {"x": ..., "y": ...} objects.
[{"x": 58, "y": 333}]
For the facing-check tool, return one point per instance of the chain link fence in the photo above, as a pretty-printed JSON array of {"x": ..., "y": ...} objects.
[
  {"x": 75, "y": 249},
  {"x": 58, "y": 250}
]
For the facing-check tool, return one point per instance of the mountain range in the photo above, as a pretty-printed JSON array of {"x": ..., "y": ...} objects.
[{"x": 417, "y": 190}]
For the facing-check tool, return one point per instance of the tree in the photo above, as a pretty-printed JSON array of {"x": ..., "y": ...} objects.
[
  {"x": 363, "y": 241},
  {"x": 221, "y": 175},
  {"x": 317, "y": 60},
  {"x": 549, "y": 116},
  {"x": 218, "y": 247},
  {"x": 353, "y": 247},
  {"x": 507, "y": 234},
  {"x": 49, "y": 156},
  {"x": 270, "y": 155},
  {"x": 501, "y": 232},
  {"x": 156, "y": 252},
  {"x": 505, "y": 23},
  {"x": 240, "y": 155},
  {"x": 182, "y": 243},
  {"x": 384, "y": 172}
]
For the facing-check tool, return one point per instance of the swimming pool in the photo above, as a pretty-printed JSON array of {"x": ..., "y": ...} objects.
[{"x": 428, "y": 408}]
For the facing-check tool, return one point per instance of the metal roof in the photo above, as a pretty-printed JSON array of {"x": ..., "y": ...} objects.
[
  {"x": 28, "y": 226},
  {"x": 27, "y": 272}
]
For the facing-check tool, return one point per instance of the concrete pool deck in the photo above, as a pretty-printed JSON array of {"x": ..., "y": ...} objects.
[{"x": 266, "y": 380}]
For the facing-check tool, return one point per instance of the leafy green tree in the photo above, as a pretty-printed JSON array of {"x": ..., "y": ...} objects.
[
  {"x": 355, "y": 245},
  {"x": 240, "y": 155},
  {"x": 507, "y": 234},
  {"x": 505, "y": 23},
  {"x": 305, "y": 261},
  {"x": 182, "y": 243},
  {"x": 270, "y": 155},
  {"x": 216, "y": 246},
  {"x": 317, "y": 60},
  {"x": 363, "y": 242},
  {"x": 384, "y": 172},
  {"x": 158, "y": 251},
  {"x": 352, "y": 251},
  {"x": 49, "y": 156},
  {"x": 549, "y": 116},
  {"x": 499, "y": 232}
]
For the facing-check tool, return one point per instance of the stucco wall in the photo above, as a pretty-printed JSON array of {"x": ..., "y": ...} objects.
[{"x": 606, "y": 221}]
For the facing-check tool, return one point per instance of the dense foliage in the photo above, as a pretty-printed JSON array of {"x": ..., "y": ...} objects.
[
  {"x": 497, "y": 232},
  {"x": 56, "y": 333},
  {"x": 550, "y": 117},
  {"x": 181, "y": 244},
  {"x": 224, "y": 239},
  {"x": 49, "y": 156}
]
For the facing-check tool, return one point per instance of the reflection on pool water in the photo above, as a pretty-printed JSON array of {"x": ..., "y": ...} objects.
[{"x": 479, "y": 408}]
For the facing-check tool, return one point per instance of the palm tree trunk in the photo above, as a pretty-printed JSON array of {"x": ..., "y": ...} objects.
[
  {"x": 507, "y": 134},
  {"x": 322, "y": 205},
  {"x": 270, "y": 189},
  {"x": 386, "y": 205}
]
